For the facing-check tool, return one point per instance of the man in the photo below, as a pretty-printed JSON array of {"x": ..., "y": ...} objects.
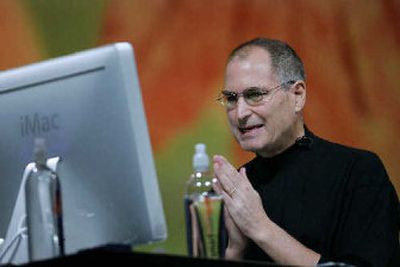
[{"x": 302, "y": 200}]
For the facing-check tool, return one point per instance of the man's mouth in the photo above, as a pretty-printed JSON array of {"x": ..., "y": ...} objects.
[{"x": 248, "y": 129}]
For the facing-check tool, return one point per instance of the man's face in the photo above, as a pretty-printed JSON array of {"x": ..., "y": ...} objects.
[{"x": 268, "y": 127}]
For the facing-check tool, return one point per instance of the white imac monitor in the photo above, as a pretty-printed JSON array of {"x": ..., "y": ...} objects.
[{"x": 88, "y": 107}]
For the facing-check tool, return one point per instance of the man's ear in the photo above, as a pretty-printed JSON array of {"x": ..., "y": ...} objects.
[{"x": 300, "y": 92}]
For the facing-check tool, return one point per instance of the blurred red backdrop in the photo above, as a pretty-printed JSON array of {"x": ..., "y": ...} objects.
[{"x": 351, "y": 51}]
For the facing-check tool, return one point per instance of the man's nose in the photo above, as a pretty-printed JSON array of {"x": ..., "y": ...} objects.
[{"x": 243, "y": 109}]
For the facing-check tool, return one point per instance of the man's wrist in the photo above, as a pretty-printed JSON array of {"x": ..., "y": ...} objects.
[{"x": 262, "y": 232}]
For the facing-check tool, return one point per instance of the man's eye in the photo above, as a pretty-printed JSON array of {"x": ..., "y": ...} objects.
[
  {"x": 254, "y": 95},
  {"x": 231, "y": 97}
]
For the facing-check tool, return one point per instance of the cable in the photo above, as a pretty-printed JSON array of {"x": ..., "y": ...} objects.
[
  {"x": 22, "y": 232},
  {"x": 17, "y": 237}
]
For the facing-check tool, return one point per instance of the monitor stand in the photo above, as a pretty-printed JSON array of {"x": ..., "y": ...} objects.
[{"x": 14, "y": 249}]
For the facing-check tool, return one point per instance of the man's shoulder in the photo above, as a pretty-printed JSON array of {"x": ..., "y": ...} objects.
[
  {"x": 336, "y": 149},
  {"x": 322, "y": 150},
  {"x": 321, "y": 154},
  {"x": 356, "y": 160}
]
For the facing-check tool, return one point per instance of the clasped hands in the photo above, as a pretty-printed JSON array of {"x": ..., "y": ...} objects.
[{"x": 244, "y": 214}]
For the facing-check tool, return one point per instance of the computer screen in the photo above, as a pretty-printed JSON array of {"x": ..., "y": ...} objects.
[{"x": 88, "y": 108}]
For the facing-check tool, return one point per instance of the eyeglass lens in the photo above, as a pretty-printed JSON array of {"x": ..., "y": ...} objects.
[{"x": 251, "y": 96}]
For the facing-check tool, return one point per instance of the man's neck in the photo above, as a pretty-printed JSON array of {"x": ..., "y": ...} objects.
[{"x": 287, "y": 140}]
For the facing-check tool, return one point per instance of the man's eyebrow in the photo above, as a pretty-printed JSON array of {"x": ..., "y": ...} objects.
[
  {"x": 253, "y": 88},
  {"x": 228, "y": 92}
]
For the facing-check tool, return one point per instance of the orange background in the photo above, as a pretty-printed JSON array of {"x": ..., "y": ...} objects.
[{"x": 351, "y": 51}]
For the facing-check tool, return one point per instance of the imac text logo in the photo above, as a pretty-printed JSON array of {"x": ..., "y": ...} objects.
[{"x": 38, "y": 124}]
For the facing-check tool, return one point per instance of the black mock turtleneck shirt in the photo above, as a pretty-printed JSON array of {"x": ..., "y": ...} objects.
[{"x": 335, "y": 200}]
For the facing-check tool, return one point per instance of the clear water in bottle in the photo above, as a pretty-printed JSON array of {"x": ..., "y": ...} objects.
[{"x": 203, "y": 210}]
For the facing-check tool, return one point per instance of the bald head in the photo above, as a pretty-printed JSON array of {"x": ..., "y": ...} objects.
[{"x": 286, "y": 64}]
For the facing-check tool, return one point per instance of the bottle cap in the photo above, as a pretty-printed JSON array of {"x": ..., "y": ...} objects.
[{"x": 200, "y": 158}]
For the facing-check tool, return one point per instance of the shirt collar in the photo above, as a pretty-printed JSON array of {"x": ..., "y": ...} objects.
[{"x": 304, "y": 142}]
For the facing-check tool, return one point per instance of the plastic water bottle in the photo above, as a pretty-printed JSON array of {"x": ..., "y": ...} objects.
[
  {"x": 43, "y": 209},
  {"x": 203, "y": 209}
]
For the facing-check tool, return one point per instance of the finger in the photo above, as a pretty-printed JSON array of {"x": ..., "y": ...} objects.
[
  {"x": 224, "y": 163},
  {"x": 227, "y": 174},
  {"x": 223, "y": 178},
  {"x": 245, "y": 179},
  {"x": 228, "y": 202},
  {"x": 217, "y": 187},
  {"x": 243, "y": 172},
  {"x": 227, "y": 169}
]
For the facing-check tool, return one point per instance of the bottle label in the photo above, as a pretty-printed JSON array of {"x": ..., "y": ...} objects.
[{"x": 204, "y": 218}]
